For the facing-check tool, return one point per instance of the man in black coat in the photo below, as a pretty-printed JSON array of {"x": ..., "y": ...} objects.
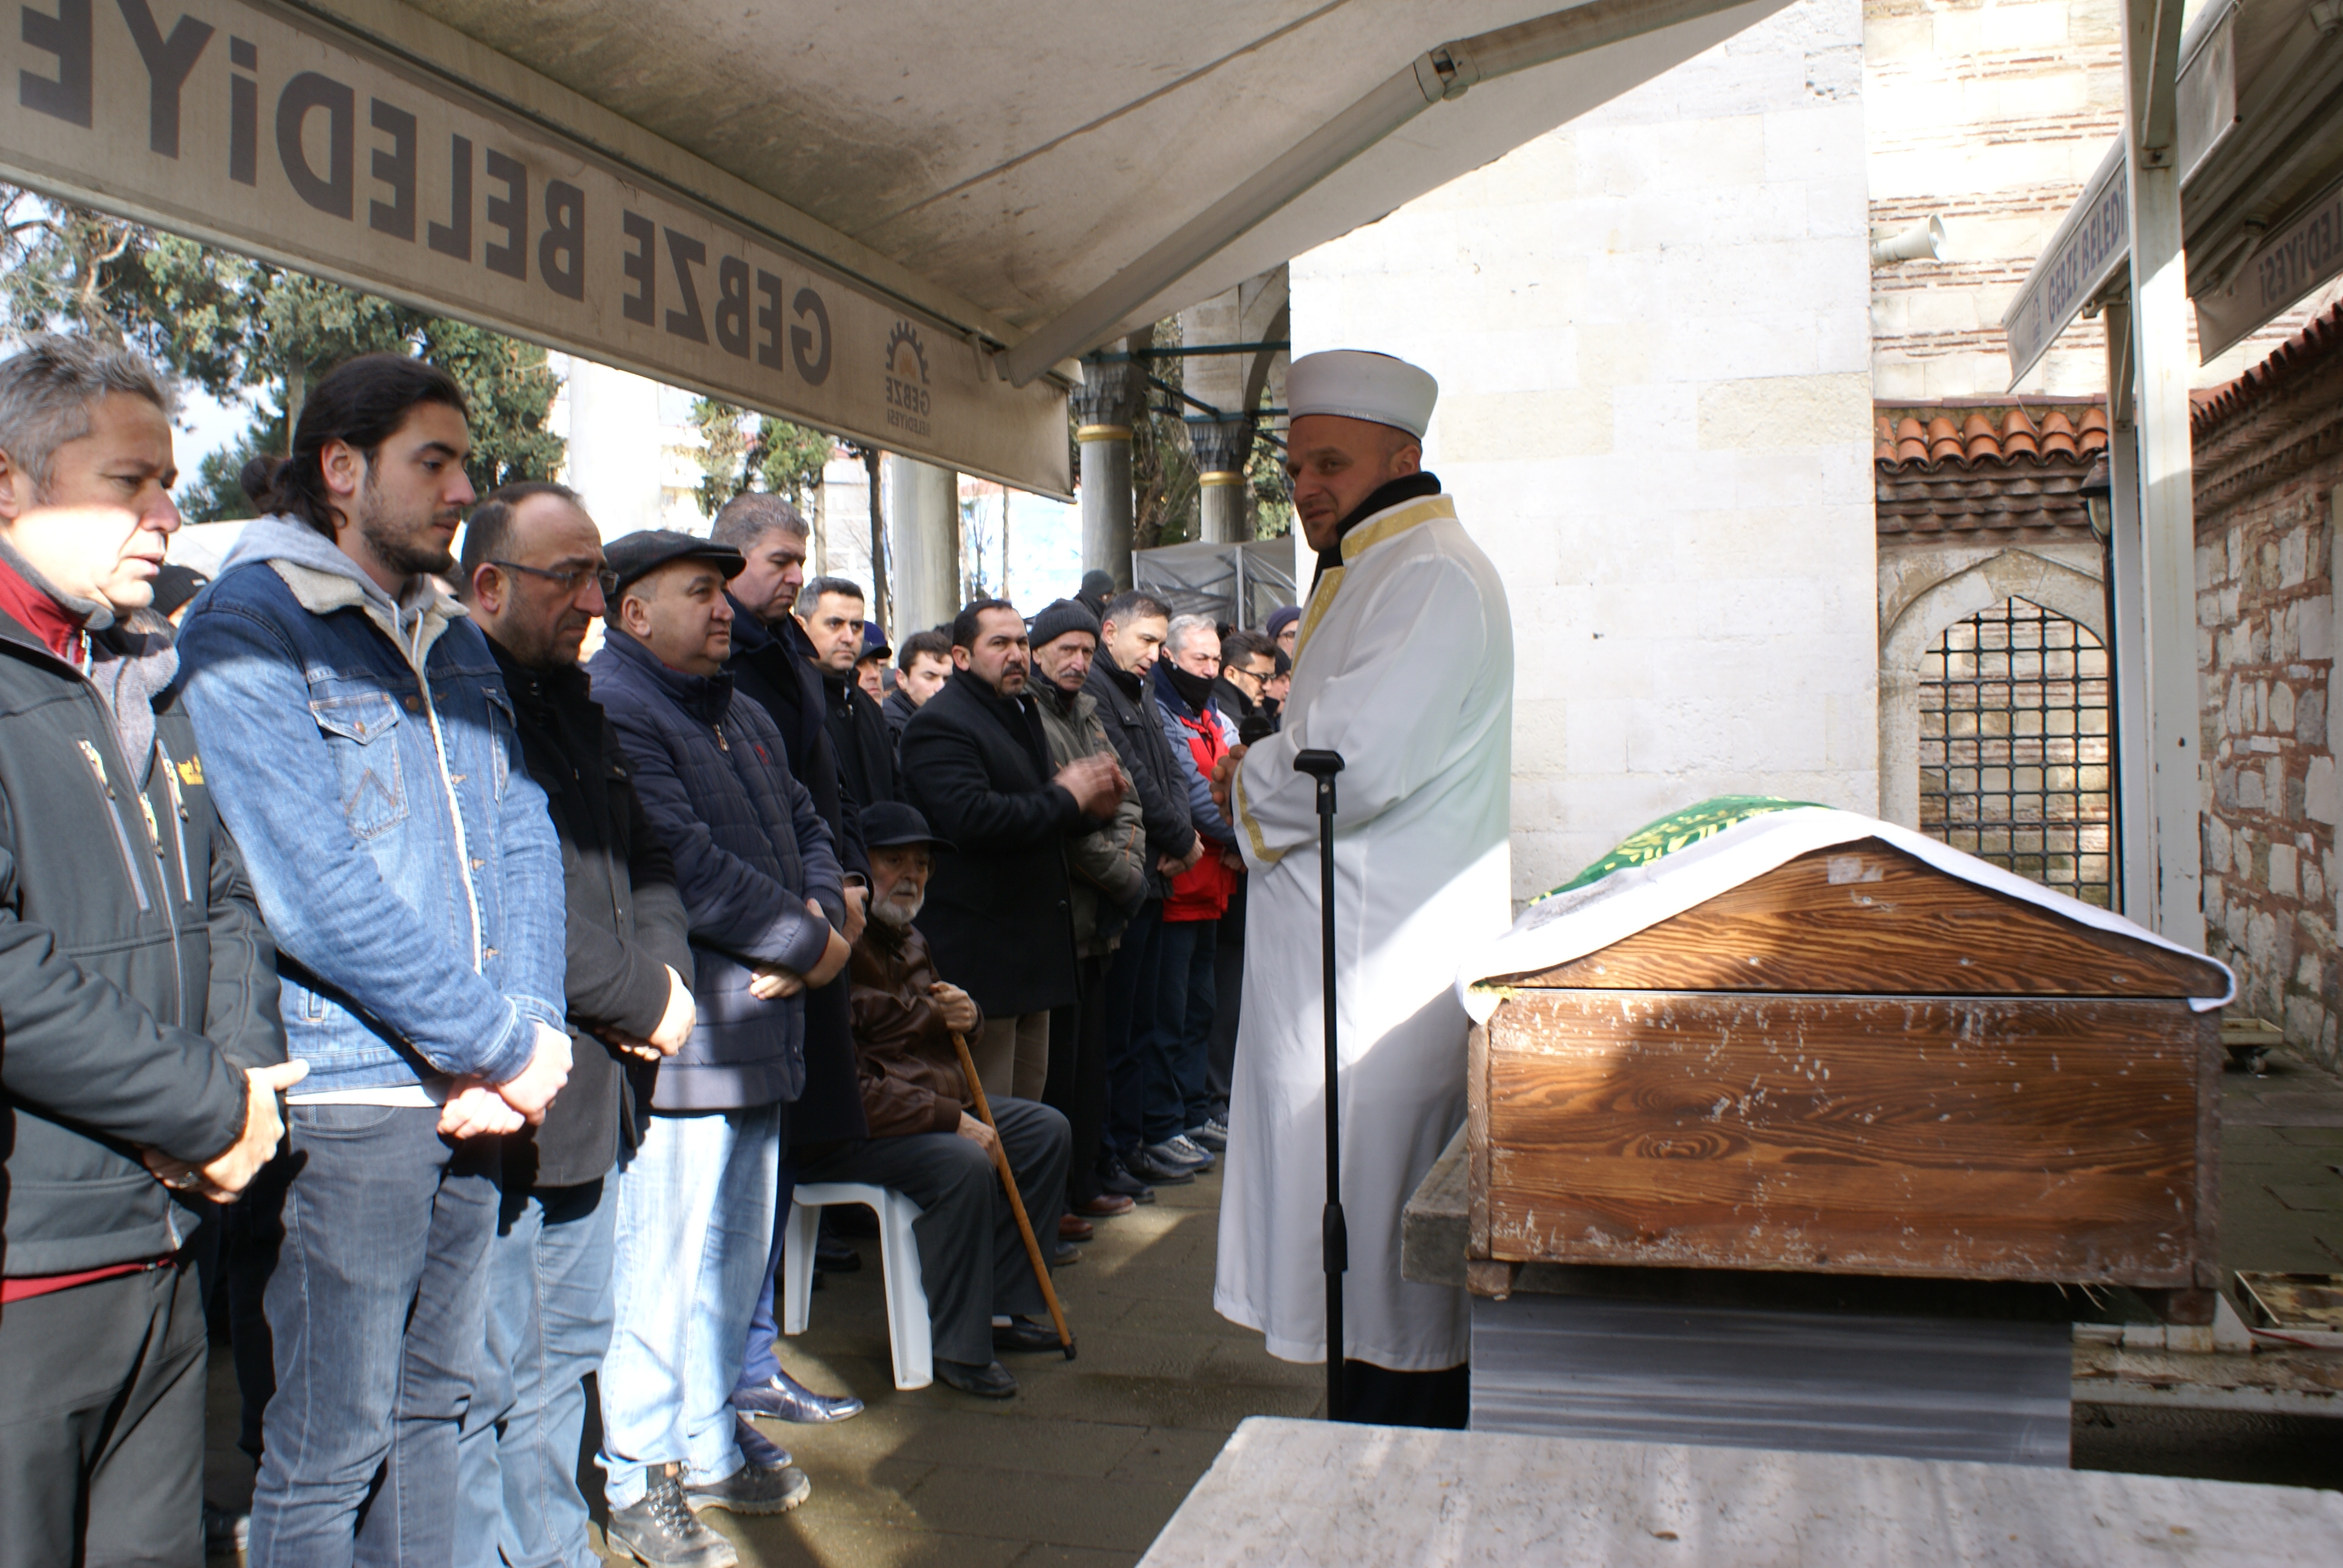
[
  {"x": 533, "y": 578},
  {"x": 144, "y": 1053},
  {"x": 771, "y": 667},
  {"x": 1129, "y": 643},
  {"x": 999, "y": 913},
  {"x": 830, "y": 614}
]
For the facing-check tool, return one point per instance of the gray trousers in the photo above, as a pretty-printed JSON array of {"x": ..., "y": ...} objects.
[
  {"x": 102, "y": 1423},
  {"x": 971, "y": 1259}
]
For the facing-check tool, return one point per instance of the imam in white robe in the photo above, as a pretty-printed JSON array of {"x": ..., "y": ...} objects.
[{"x": 1405, "y": 666}]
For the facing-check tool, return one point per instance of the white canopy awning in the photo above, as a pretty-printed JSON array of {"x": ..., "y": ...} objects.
[{"x": 892, "y": 222}]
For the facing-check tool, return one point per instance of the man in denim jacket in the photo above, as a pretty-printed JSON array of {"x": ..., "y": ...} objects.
[
  {"x": 765, "y": 900},
  {"x": 360, "y": 741}
]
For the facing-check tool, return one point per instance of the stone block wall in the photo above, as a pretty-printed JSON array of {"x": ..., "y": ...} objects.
[
  {"x": 1991, "y": 114},
  {"x": 2269, "y": 476}
]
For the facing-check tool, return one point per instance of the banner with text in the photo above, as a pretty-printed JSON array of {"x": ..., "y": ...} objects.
[{"x": 277, "y": 134}]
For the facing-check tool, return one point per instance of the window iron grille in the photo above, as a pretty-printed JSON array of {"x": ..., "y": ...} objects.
[{"x": 2017, "y": 748}]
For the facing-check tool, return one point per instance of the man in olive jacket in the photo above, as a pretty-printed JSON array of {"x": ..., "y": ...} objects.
[
  {"x": 138, "y": 988},
  {"x": 532, "y": 574}
]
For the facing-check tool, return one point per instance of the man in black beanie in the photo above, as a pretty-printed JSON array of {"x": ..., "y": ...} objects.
[{"x": 1109, "y": 884}]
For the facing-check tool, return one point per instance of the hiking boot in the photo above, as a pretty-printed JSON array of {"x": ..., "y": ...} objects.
[
  {"x": 661, "y": 1530},
  {"x": 751, "y": 1489}
]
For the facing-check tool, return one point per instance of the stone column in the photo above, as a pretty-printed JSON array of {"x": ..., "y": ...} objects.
[
  {"x": 1105, "y": 405},
  {"x": 1222, "y": 447},
  {"x": 923, "y": 505}
]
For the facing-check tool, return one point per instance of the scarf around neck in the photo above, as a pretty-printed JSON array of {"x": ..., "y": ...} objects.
[{"x": 1406, "y": 487}]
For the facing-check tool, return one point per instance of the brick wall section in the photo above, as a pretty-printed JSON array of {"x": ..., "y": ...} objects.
[{"x": 2270, "y": 466}]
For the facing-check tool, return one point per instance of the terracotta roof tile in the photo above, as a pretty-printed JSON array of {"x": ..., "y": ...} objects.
[
  {"x": 1978, "y": 440},
  {"x": 2018, "y": 436},
  {"x": 1926, "y": 437},
  {"x": 2298, "y": 357}
]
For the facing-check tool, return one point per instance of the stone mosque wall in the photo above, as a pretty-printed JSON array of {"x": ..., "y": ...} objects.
[{"x": 1651, "y": 330}]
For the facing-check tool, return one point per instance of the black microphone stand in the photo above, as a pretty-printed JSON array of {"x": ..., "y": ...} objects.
[{"x": 1334, "y": 1240}]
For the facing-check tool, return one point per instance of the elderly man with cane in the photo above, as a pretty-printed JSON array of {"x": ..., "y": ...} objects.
[
  {"x": 1405, "y": 669},
  {"x": 926, "y": 1139}
]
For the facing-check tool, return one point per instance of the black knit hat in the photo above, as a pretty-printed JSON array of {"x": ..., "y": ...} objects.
[{"x": 1058, "y": 619}]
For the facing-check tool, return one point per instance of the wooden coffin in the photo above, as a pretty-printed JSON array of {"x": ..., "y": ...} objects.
[{"x": 1854, "y": 1063}]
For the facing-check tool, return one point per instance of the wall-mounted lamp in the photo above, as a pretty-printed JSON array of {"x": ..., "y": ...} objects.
[
  {"x": 2097, "y": 490},
  {"x": 1920, "y": 242}
]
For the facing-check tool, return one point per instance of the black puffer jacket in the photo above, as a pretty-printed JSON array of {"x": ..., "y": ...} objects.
[
  {"x": 136, "y": 980},
  {"x": 1129, "y": 713},
  {"x": 626, "y": 927}
]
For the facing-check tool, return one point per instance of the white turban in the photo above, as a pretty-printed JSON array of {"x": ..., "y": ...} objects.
[{"x": 1358, "y": 384}]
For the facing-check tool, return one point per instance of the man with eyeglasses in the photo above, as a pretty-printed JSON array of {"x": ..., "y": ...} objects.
[{"x": 533, "y": 576}]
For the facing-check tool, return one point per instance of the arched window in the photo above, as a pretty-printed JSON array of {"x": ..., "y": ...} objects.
[{"x": 2015, "y": 746}]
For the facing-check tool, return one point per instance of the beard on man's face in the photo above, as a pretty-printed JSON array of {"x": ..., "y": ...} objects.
[
  {"x": 894, "y": 913},
  {"x": 404, "y": 546}
]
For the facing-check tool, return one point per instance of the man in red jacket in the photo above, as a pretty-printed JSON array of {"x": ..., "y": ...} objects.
[{"x": 926, "y": 1142}]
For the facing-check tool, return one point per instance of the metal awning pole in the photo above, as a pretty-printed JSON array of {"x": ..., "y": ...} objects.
[{"x": 2159, "y": 320}]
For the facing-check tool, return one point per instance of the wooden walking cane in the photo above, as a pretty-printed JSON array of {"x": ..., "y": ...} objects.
[{"x": 1015, "y": 1202}]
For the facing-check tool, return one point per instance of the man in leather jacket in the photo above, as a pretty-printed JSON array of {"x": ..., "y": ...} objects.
[{"x": 926, "y": 1141}]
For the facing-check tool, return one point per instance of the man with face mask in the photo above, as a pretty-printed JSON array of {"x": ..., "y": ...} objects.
[{"x": 1406, "y": 666}]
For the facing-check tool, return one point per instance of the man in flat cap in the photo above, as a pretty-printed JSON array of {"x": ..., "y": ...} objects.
[
  {"x": 1404, "y": 665},
  {"x": 765, "y": 904}
]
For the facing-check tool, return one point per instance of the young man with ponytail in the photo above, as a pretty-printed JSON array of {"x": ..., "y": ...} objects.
[{"x": 360, "y": 738}]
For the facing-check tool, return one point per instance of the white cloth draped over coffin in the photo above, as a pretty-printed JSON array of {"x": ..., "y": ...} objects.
[{"x": 1575, "y": 921}]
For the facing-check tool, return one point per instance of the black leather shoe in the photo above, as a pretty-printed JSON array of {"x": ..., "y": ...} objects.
[
  {"x": 1024, "y": 1334},
  {"x": 1065, "y": 1254},
  {"x": 786, "y": 1399},
  {"x": 990, "y": 1381},
  {"x": 835, "y": 1256},
  {"x": 762, "y": 1452},
  {"x": 1114, "y": 1176}
]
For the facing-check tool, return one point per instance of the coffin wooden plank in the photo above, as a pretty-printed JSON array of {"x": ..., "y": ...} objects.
[
  {"x": 1976, "y": 1138},
  {"x": 1867, "y": 918}
]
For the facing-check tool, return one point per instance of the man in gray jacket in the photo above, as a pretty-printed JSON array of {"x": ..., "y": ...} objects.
[{"x": 143, "y": 1054}]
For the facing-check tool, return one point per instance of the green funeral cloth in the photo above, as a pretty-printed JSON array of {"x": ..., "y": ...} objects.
[{"x": 1675, "y": 831}]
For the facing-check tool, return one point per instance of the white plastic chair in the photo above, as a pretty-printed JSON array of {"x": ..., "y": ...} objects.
[{"x": 899, "y": 1259}]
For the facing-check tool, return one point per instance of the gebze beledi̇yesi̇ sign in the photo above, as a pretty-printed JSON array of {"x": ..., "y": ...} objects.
[{"x": 276, "y": 134}]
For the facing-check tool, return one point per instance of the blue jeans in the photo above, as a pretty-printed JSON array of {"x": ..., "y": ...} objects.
[
  {"x": 1178, "y": 1049},
  {"x": 377, "y": 1310},
  {"x": 761, "y": 1361},
  {"x": 694, "y": 1227},
  {"x": 548, "y": 1325}
]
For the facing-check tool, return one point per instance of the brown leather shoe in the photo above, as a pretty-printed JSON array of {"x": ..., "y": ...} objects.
[
  {"x": 1105, "y": 1206},
  {"x": 1074, "y": 1228}
]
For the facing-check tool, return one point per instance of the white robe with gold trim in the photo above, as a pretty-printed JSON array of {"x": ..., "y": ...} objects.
[{"x": 1405, "y": 666}]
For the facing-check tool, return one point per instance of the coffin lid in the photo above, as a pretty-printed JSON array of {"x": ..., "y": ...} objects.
[{"x": 1685, "y": 859}]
